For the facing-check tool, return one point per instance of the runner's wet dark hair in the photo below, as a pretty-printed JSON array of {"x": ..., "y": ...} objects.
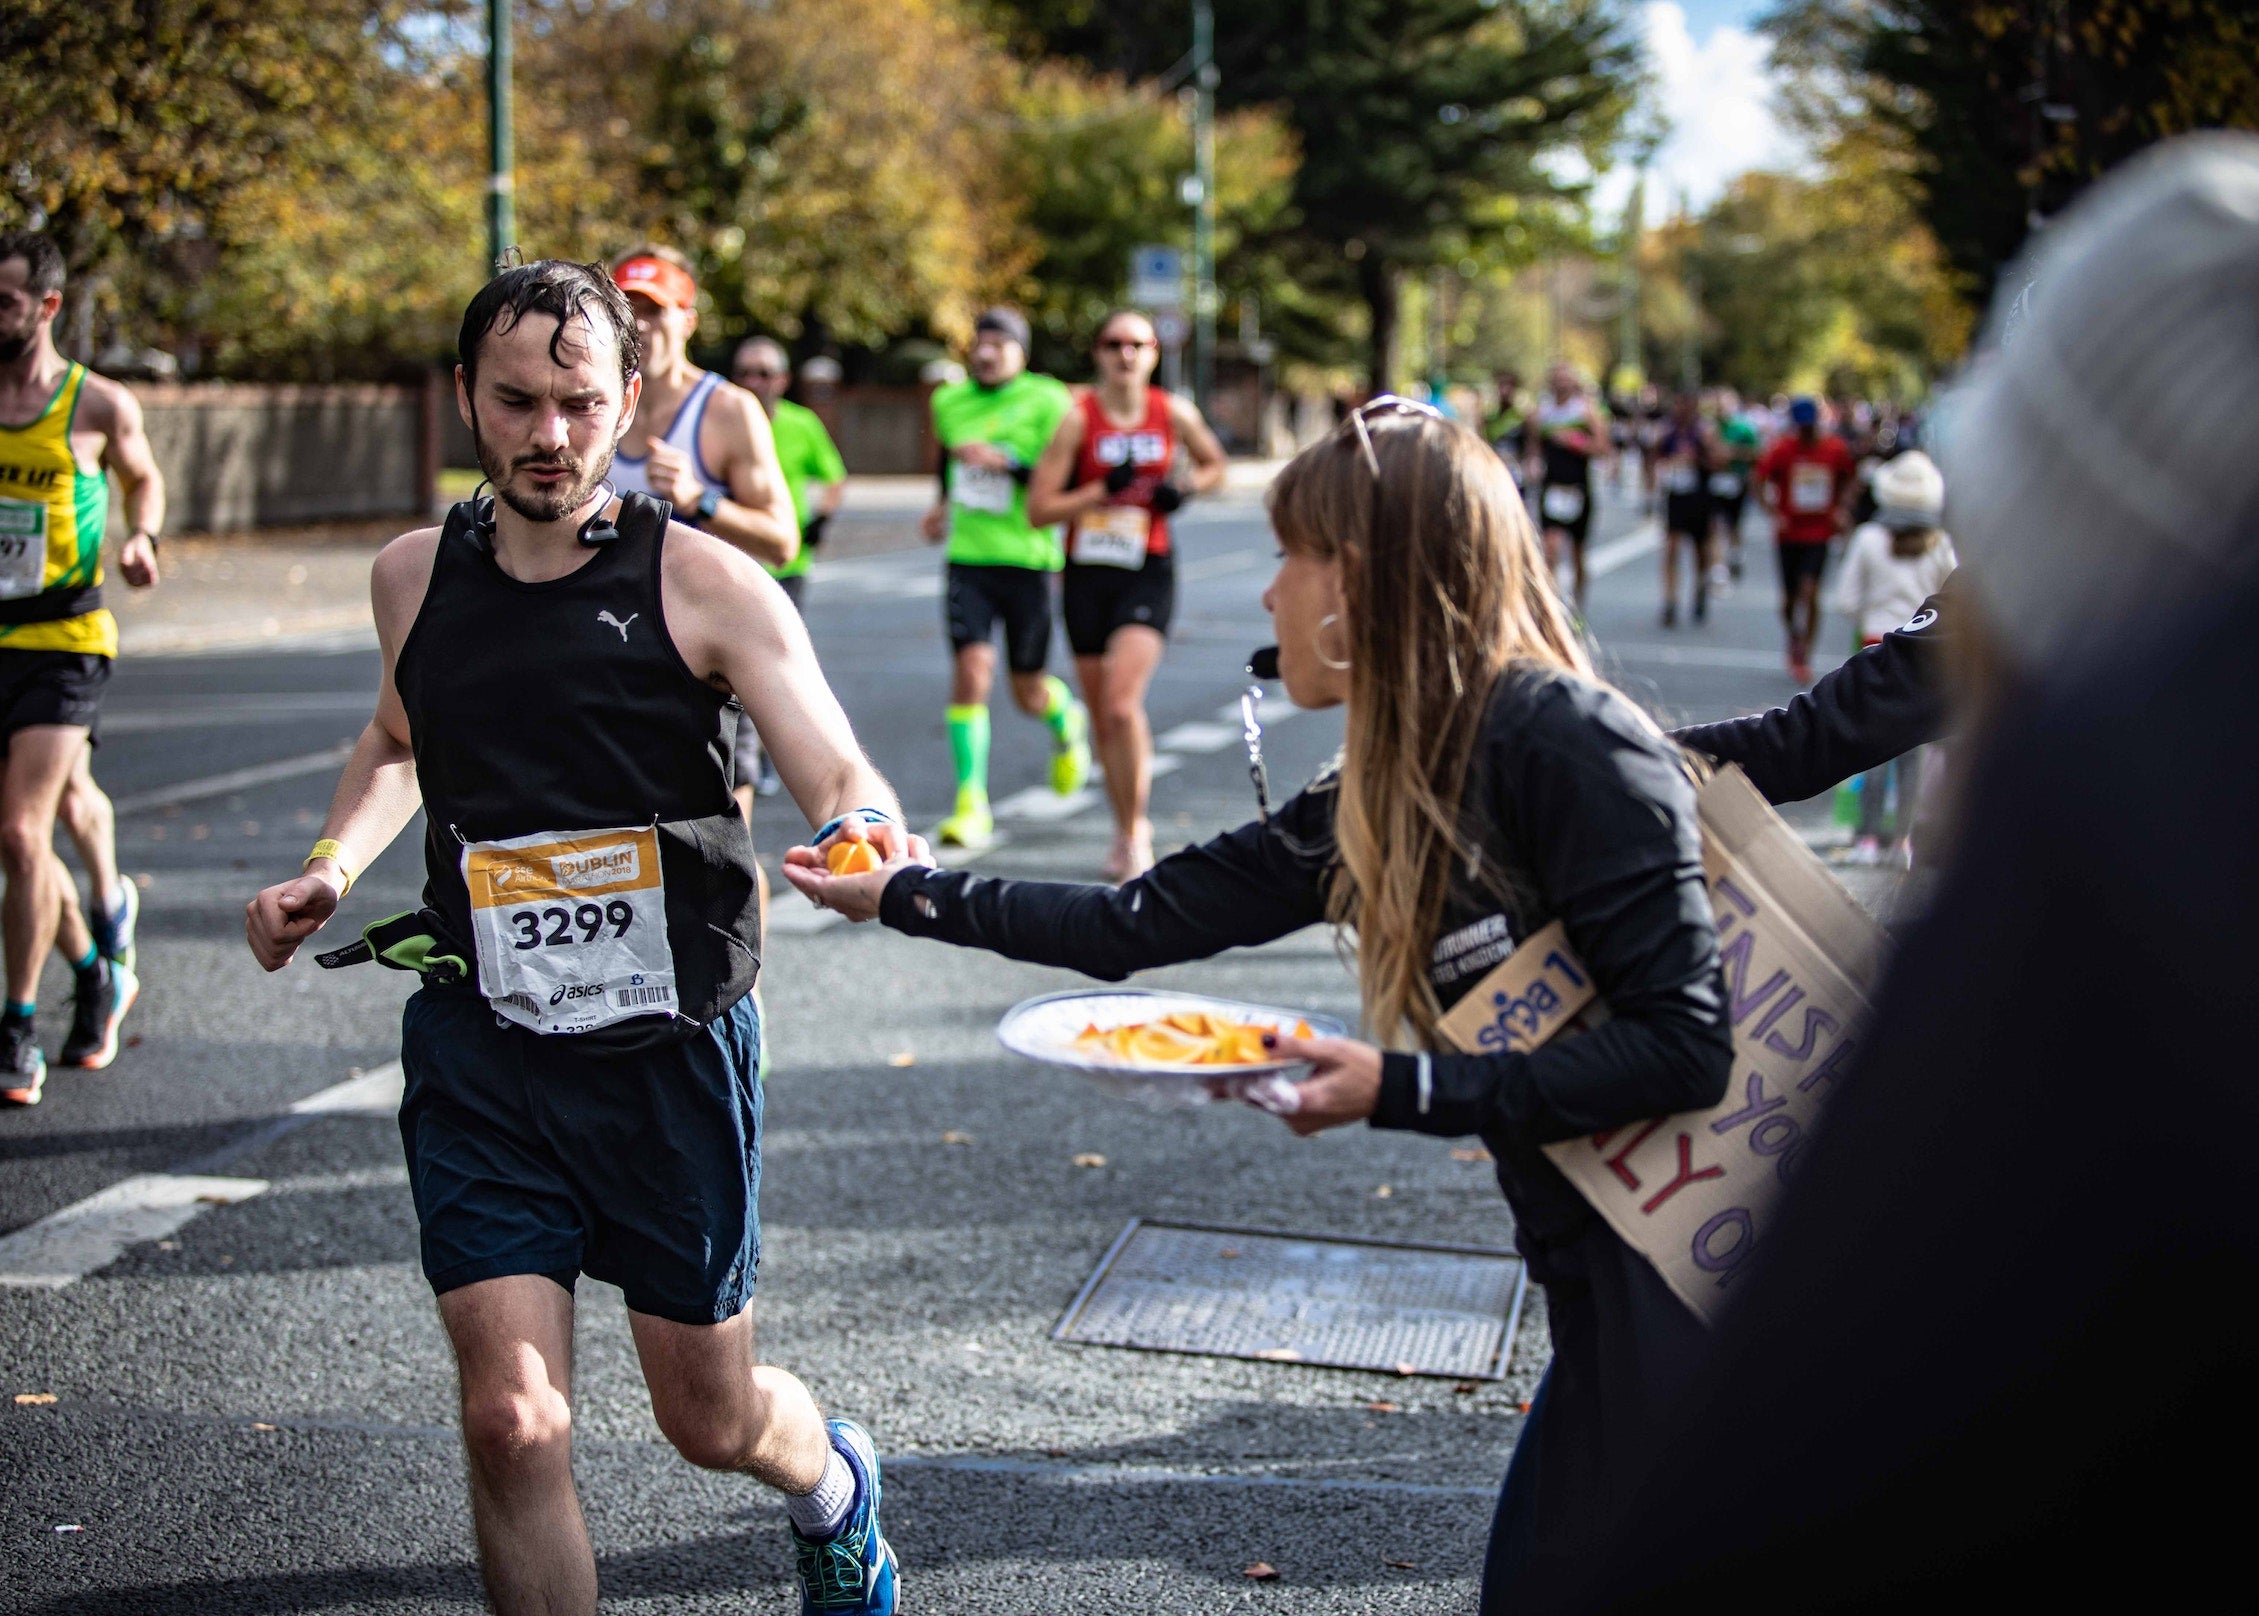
[
  {"x": 43, "y": 260},
  {"x": 559, "y": 288}
]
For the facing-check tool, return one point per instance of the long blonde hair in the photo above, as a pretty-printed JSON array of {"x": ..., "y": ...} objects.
[{"x": 1443, "y": 587}]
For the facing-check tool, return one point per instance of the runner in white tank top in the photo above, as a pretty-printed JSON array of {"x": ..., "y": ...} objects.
[{"x": 628, "y": 471}]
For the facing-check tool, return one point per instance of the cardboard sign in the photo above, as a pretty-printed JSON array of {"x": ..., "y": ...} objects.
[{"x": 1694, "y": 1193}]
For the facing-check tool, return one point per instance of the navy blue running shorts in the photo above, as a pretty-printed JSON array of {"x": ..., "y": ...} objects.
[{"x": 528, "y": 1156}]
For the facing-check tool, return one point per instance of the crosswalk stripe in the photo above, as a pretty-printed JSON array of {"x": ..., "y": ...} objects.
[
  {"x": 68, "y": 1245},
  {"x": 375, "y": 1093}
]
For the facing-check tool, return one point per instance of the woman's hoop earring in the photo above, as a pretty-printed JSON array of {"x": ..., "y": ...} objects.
[{"x": 1338, "y": 667}]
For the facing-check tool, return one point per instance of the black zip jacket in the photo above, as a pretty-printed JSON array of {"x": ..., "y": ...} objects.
[
  {"x": 1576, "y": 811},
  {"x": 1884, "y": 702}
]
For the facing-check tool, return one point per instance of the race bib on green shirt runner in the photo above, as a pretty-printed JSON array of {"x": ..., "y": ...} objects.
[{"x": 988, "y": 522}]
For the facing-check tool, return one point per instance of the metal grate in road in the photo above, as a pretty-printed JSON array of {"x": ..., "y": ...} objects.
[{"x": 1294, "y": 1298}]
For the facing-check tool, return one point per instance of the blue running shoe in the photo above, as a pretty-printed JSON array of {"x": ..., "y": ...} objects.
[
  {"x": 855, "y": 1571},
  {"x": 113, "y": 932}
]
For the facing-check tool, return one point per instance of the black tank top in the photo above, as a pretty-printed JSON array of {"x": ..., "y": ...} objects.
[{"x": 564, "y": 706}]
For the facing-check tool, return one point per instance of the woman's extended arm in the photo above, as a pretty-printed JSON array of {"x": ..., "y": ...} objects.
[
  {"x": 1885, "y": 701},
  {"x": 1247, "y": 886}
]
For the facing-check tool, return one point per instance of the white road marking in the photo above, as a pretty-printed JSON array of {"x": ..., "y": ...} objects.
[
  {"x": 1702, "y": 656},
  {"x": 1645, "y": 539},
  {"x": 375, "y": 1093},
  {"x": 1216, "y": 566},
  {"x": 1166, "y": 763},
  {"x": 226, "y": 712},
  {"x": 1043, "y": 805},
  {"x": 1267, "y": 712},
  {"x": 90, "y": 1234},
  {"x": 220, "y": 785},
  {"x": 1197, "y": 736}
]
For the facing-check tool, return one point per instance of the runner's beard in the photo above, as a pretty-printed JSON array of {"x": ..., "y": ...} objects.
[
  {"x": 542, "y": 505},
  {"x": 14, "y": 345}
]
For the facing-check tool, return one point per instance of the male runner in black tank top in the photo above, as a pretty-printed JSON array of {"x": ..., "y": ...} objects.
[{"x": 556, "y": 664}]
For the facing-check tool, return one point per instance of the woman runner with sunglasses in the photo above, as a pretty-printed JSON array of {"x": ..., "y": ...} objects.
[
  {"x": 1488, "y": 785},
  {"x": 1107, "y": 474}
]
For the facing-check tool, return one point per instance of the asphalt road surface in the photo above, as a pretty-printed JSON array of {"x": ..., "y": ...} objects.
[{"x": 245, "y": 1404}]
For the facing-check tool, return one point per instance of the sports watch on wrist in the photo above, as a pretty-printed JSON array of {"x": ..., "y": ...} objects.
[{"x": 708, "y": 503}]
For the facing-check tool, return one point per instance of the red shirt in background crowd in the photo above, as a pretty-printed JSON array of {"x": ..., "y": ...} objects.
[{"x": 1809, "y": 483}]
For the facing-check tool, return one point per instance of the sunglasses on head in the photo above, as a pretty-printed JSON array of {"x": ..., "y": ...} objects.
[{"x": 1386, "y": 404}]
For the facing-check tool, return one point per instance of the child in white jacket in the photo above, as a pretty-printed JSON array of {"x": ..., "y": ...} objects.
[{"x": 1894, "y": 563}]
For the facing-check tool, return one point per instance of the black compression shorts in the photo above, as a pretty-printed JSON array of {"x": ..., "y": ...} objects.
[
  {"x": 1577, "y": 526},
  {"x": 1687, "y": 514},
  {"x": 978, "y": 597},
  {"x": 1099, "y": 600},
  {"x": 50, "y": 687},
  {"x": 1800, "y": 561}
]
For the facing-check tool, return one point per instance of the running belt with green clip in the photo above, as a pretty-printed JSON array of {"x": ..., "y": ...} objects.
[{"x": 405, "y": 942}]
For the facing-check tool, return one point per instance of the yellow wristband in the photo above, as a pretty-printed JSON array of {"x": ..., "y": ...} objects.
[{"x": 334, "y": 851}]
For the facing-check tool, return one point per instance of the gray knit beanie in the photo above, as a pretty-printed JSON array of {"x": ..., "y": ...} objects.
[{"x": 2103, "y": 463}]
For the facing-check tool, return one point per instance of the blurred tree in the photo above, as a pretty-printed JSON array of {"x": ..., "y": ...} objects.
[
  {"x": 1790, "y": 281},
  {"x": 1098, "y": 162},
  {"x": 1428, "y": 128},
  {"x": 833, "y": 166},
  {"x": 130, "y": 126},
  {"x": 2004, "y": 109}
]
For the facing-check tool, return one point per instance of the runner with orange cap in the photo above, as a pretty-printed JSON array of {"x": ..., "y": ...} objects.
[
  {"x": 698, "y": 442},
  {"x": 704, "y": 446}
]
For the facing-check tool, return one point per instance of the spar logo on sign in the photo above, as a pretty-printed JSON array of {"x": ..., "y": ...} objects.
[{"x": 597, "y": 867}]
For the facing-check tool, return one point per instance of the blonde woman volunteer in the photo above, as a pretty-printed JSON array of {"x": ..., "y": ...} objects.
[{"x": 1488, "y": 785}]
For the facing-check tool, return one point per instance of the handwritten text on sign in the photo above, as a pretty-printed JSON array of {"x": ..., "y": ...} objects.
[{"x": 1692, "y": 1192}]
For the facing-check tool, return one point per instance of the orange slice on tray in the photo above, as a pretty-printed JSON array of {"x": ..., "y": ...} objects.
[{"x": 1183, "y": 1038}]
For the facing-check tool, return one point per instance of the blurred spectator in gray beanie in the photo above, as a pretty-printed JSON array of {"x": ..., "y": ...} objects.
[
  {"x": 1992, "y": 1348},
  {"x": 2103, "y": 461}
]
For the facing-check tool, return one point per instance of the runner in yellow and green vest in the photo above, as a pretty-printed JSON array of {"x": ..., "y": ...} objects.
[{"x": 62, "y": 429}]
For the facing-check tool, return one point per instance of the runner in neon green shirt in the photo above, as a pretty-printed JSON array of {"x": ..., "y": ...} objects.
[
  {"x": 816, "y": 478},
  {"x": 992, "y": 428},
  {"x": 814, "y": 474}
]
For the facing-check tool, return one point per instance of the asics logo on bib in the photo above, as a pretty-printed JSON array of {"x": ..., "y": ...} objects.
[
  {"x": 610, "y": 621},
  {"x": 577, "y": 990}
]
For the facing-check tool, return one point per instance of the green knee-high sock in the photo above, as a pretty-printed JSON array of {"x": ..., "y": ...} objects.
[
  {"x": 968, "y": 747},
  {"x": 1058, "y": 703}
]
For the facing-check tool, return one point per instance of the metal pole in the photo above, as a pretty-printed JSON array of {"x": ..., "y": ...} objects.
[
  {"x": 1628, "y": 344},
  {"x": 1204, "y": 299},
  {"x": 501, "y": 181}
]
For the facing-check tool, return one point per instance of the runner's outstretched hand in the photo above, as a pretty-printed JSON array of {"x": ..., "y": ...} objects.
[
  {"x": 1343, "y": 1085},
  {"x": 285, "y": 915},
  {"x": 855, "y": 896}
]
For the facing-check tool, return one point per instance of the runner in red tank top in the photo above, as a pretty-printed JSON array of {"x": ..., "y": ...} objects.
[
  {"x": 1144, "y": 453},
  {"x": 1108, "y": 473}
]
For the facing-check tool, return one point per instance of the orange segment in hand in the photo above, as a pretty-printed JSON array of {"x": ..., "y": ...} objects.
[{"x": 851, "y": 858}]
